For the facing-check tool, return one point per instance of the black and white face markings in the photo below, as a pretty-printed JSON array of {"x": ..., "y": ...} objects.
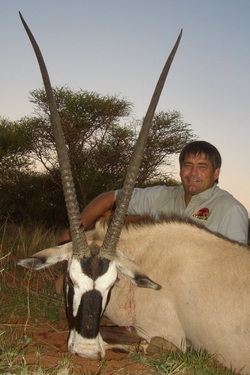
[{"x": 89, "y": 280}]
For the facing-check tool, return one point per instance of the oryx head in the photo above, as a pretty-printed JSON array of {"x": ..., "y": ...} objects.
[{"x": 92, "y": 268}]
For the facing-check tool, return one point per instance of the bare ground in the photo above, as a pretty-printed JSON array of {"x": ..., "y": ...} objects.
[{"x": 42, "y": 342}]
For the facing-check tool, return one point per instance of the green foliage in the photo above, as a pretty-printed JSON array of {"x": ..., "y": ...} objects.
[
  {"x": 100, "y": 141},
  {"x": 12, "y": 139},
  {"x": 32, "y": 198},
  {"x": 15, "y": 147},
  {"x": 167, "y": 136}
]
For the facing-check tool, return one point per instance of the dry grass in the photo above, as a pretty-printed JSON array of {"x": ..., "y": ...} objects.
[{"x": 22, "y": 241}]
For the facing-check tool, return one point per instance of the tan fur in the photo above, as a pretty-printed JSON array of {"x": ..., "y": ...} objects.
[
  {"x": 205, "y": 280},
  {"x": 204, "y": 298}
]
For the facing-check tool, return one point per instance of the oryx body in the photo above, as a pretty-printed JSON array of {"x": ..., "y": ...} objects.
[
  {"x": 204, "y": 299},
  {"x": 204, "y": 295}
]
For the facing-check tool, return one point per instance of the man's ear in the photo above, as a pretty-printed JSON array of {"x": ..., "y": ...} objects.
[{"x": 216, "y": 174}]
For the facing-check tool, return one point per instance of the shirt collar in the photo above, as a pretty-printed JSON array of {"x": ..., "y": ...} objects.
[{"x": 203, "y": 196}]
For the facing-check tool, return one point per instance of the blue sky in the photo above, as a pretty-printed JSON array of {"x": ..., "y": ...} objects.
[{"x": 118, "y": 47}]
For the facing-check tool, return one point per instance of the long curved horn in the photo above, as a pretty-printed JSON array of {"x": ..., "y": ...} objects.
[
  {"x": 114, "y": 230},
  {"x": 80, "y": 245}
]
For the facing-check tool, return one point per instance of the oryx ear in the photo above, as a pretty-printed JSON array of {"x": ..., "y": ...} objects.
[
  {"x": 48, "y": 257},
  {"x": 130, "y": 270}
]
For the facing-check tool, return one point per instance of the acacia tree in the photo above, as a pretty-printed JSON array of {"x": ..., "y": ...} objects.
[
  {"x": 15, "y": 145},
  {"x": 167, "y": 136},
  {"x": 87, "y": 119},
  {"x": 100, "y": 138},
  {"x": 99, "y": 143}
]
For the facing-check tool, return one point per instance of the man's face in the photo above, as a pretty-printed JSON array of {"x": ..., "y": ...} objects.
[{"x": 197, "y": 174}]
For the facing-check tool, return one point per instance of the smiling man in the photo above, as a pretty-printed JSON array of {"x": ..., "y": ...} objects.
[
  {"x": 200, "y": 164},
  {"x": 198, "y": 198}
]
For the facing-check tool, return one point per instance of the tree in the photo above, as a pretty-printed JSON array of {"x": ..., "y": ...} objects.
[
  {"x": 100, "y": 138},
  {"x": 167, "y": 136},
  {"x": 32, "y": 198},
  {"x": 15, "y": 145},
  {"x": 99, "y": 143},
  {"x": 86, "y": 119}
]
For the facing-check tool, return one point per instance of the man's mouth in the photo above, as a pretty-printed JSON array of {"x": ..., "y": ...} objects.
[{"x": 193, "y": 181}]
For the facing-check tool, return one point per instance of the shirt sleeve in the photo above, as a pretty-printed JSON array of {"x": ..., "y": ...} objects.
[
  {"x": 234, "y": 224},
  {"x": 144, "y": 201}
]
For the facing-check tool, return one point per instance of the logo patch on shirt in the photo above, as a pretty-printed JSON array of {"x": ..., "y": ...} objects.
[{"x": 202, "y": 214}]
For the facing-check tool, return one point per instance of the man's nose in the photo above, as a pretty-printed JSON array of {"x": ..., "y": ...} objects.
[{"x": 193, "y": 171}]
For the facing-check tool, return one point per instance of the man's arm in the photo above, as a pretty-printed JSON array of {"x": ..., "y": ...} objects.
[
  {"x": 234, "y": 224},
  {"x": 95, "y": 209}
]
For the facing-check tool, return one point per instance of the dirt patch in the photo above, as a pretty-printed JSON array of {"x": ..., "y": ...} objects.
[
  {"x": 38, "y": 341},
  {"x": 44, "y": 344}
]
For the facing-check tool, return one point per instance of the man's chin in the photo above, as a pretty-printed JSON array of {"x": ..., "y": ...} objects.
[{"x": 193, "y": 191}]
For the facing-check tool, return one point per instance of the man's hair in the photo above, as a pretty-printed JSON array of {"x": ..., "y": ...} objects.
[{"x": 202, "y": 148}]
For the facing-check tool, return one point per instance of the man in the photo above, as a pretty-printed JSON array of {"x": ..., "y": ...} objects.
[{"x": 198, "y": 197}]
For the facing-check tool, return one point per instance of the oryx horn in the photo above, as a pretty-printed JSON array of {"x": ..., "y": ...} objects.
[
  {"x": 80, "y": 245},
  {"x": 114, "y": 230}
]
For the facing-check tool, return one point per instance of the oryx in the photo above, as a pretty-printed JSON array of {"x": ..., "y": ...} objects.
[{"x": 92, "y": 269}]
